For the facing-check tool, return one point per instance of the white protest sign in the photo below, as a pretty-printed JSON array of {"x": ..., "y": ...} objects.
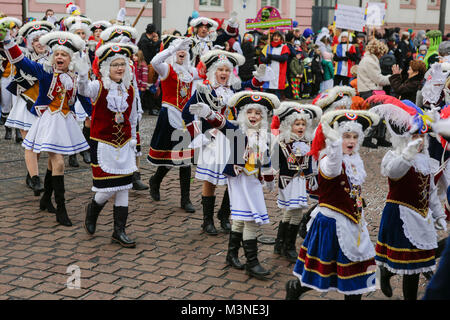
[
  {"x": 375, "y": 13},
  {"x": 349, "y": 17}
]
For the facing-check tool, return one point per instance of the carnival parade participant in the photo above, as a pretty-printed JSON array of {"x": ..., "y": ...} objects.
[
  {"x": 167, "y": 148},
  {"x": 345, "y": 57},
  {"x": 80, "y": 26},
  {"x": 96, "y": 28},
  {"x": 56, "y": 130},
  {"x": 7, "y": 72},
  {"x": 337, "y": 253},
  {"x": 221, "y": 84},
  {"x": 296, "y": 170},
  {"x": 113, "y": 135},
  {"x": 335, "y": 98},
  {"x": 249, "y": 168},
  {"x": 26, "y": 89},
  {"x": 407, "y": 236}
]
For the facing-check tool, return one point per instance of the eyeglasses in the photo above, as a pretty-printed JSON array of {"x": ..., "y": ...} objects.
[{"x": 118, "y": 65}]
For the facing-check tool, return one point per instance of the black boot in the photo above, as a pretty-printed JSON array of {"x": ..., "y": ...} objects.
[
  {"x": 137, "y": 182},
  {"x": 185, "y": 186},
  {"x": 19, "y": 138},
  {"x": 36, "y": 185},
  {"x": 385, "y": 285},
  {"x": 234, "y": 244},
  {"x": 120, "y": 221},
  {"x": 73, "y": 162},
  {"x": 8, "y": 133},
  {"x": 290, "y": 251},
  {"x": 87, "y": 153},
  {"x": 381, "y": 135},
  {"x": 92, "y": 211},
  {"x": 28, "y": 181},
  {"x": 279, "y": 241},
  {"x": 208, "y": 215},
  {"x": 46, "y": 199},
  {"x": 224, "y": 212},
  {"x": 59, "y": 190},
  {"x": 3, "y": 118},
  {"x": 155, "y": 182},
  {"x": 294, "y": 289},
  {"x": 410, "y": 286},
  {"x": 305, "y": 219},
  {"x": 354, "y": 297},
  {"x": 253, "y": 268}
]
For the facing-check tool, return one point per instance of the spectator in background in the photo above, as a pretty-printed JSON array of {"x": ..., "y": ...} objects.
[
  {"x": 249, "y": 52},
  {"x": 316, "y": 68},
  {"x": 345, "y": 58},
  {"x": 50, "y": 16},
  {"x": 149, "y": 43},
  {"x": 404, "y": 53},
  {"x": 289, "y": 39},
  {"x": 328, "y": 71},
  {"x": 422, "y": 52},
  {"x": 296, "y": 74},
  {"x": 407, "y": 88}
]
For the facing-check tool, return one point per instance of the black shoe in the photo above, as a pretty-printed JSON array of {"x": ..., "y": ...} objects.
[
  {"x": 120, "y": 221},
  {"x": 253, "y": 268},
  {"x": 224, "y": 213},
  {"x": 3, "y": 118},
  {"x": 279, "y": 241},
  {"x": 18, "y": 136},
  {"x": 61, "y": 212},
  {"x": 46, "y": 200},
  {"x": 290, "y": 251},
  {"x": 73, "y": 162},
  {"x": 294, "y": 289},
  {"x": 92, "y": 211},
  {"x": 208, "y": 214},
  {"x": 28, "y": 181},
  {"x": 86, "y": 155},
  {"x": 385, "y": 285},
  {"x": 36, "y": 185},
  {"x": 234, "y": 244},
  {"x": 8, "y": 133},
  {"x": 137, "y": 182},
  {"x": 185, "y": 186},
  {"x": 155, "y": 182},
  {"x": 369, "y": 144},
  {"x": 153, "y": 112}
]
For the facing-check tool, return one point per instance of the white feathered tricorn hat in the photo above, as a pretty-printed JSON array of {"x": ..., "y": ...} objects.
[
  {"x": 203, "y": 21},
  {"x": 74, "y": 23},
  {"x": 33, "y": 29},
  {"x": 115, "y": 48},
  {"x": 267, "y": 100},
  {"x": 116, "y": 31},
  {"x": 307, "y": 111},
  {"x": 101, "y": 24},
  {"x": 213, "y": 56},
  {"x": 339, "y": 96},
  {"x": 63, "y": 40}
]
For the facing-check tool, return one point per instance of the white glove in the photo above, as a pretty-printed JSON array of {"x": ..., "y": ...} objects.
[
  {"x": 441, "y": 224},
  {"x": 181, "y": 45},
  {"x": 233, "y": 21},
  {"x": 332, "y": 134},
  {"x": 434, "y": 114},
  {"x": 260, "y": 72},
  {"x": 200, "y": 109},
  {"x": 81, "y": 65},
  {"x": 411, "y": 149},
  {"x": 133, "y": 144}
]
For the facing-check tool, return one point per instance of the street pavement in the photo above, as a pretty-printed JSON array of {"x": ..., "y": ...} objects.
[{"x": 174, "y": 259}]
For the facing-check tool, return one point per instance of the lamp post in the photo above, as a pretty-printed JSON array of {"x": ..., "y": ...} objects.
[
  {"x": 157, "y": 15},
  {"x": 442, "y": 10}
]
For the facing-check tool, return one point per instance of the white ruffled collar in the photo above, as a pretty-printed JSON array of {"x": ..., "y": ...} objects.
[
  {"x": 117, "y": 97},
  {"x": 421, "y": 163},
  {"x": 354, "y": 168}
]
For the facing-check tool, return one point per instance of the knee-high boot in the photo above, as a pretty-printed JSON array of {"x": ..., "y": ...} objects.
[
  {"x": 281, "y": 235},
  {"x": 87, "y": 153},
  {"x": 155, "y": 182},
  {"x": 208, "y": 215},
  {"x": 253, "y": 267},
  {"x": 385, "y": 276},
  {"x": 290, "y": 251},
  {"x": 234, "y": 244},
  {"x": 410, "y": 286},
  {"x": 92, "y": 211},
  {"x": 120, "y": 221},
  {"x": 61, "y": 212},
  {"x": 185, "y": 186},
  {"x": 46, "y": 199},
  {"x": 224, "y": 212}
]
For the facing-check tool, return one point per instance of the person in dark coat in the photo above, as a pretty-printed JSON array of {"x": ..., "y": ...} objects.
[
  {"x": 406, "y": 88},
  {"x": 147, "y": 43},
  {"x": 249, "y": 52},
  {"x": 404, "y": 53}
]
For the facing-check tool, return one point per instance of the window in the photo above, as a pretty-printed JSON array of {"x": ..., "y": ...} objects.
[
  {"x": 405, "y": 1},
  {"x": 272, "y": 3},
  {"x": 213, "y": 3},
  {"x": 432, "y": 3}
]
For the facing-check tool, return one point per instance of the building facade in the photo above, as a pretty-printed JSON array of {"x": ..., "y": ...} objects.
[{"x": 415, "y": 14}]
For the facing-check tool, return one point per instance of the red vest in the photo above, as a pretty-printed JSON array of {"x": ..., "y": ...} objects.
[
  {"x": 104, "y": 127},
  {"x": 334, "y": 193},
  {"x": 412, "y": 190},
  {"x": 175, "y": 92}
]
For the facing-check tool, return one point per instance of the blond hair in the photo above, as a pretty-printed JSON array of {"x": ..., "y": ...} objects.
[{"x": 377, "y": 48}]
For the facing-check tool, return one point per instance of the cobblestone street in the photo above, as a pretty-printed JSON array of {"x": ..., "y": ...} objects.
[{"x": 173, "y": 258}]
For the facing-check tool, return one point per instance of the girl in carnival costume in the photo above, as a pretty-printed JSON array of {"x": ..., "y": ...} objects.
[
  {"x": 337, "y": 253},
  {"x": 246, "y": 171},
  {"x": 113, "y": 135},
  {"x": 407, "y": 237},
  {"x": 26, "y": 89},
  {"x": 220, "y": 86},
  {"x": 296, "y": 170},
  {"x": 56, "y": 130}
]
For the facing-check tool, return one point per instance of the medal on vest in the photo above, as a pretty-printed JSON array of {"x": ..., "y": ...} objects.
[{"x": 118, "y": 118}]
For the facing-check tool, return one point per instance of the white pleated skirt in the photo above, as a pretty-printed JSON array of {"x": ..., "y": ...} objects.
[
  {"x": 294, "y": 196},
  {"x": 80, "y": 114},
  {"x": 247, "y": 199},
  {"x": 20, "y": 117},
  {"x": 54, "y": 132}
]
